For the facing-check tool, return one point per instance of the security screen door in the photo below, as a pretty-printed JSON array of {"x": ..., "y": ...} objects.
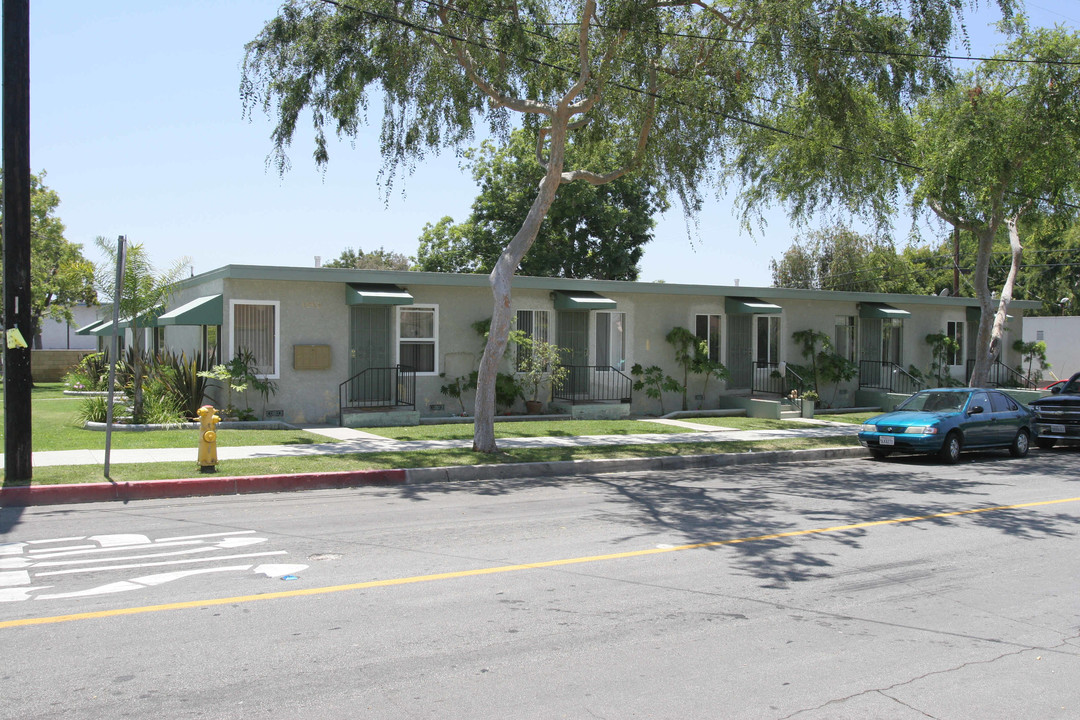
[{"x": 369, "y": 347}]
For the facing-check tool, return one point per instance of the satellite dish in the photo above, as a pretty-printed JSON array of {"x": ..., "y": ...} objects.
[{"x": 944, "y": 292}]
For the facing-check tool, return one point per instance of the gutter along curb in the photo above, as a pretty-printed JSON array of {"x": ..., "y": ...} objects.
[{"x": 244, "y": 485}]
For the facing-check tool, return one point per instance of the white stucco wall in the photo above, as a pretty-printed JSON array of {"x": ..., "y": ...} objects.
[
  {"x": 1062, "y": 337},
  {"x": 58, "y": 335}
]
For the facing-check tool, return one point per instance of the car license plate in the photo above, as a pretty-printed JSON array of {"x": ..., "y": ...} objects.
[
  {"x": 1057, "y": 429},
  {"x": 887, "y": 440}
]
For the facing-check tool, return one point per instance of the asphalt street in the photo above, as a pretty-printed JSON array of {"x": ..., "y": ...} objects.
[{"x": 842, "y": 589}]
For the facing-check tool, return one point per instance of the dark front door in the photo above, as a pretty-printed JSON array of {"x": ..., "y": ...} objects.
[
  {"x": 573, "y": 340},
  {"x": 369, "y": 350}
]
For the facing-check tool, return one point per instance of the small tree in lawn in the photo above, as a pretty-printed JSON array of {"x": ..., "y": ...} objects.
[
  {"x": 1030, "y": 353},
  {"x": 661, "y": 85},
  {"x": 145, "y": 290},
  {"x": 540, "y": 363}
]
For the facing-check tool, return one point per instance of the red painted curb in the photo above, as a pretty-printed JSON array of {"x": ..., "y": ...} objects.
[{"x": 193, "y": 487}]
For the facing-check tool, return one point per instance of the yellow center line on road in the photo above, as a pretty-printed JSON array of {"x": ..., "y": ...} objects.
[{"x": 507, "y": 568}]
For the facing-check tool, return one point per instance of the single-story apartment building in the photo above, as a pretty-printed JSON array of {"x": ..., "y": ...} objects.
[{"x": 339, "y": 340}]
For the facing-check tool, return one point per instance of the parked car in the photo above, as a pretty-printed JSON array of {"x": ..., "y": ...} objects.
[
  {"x": 945, "y": 421},
  {"x": 1056, "y": 384},
  {"x": 1057, "y": 416}
]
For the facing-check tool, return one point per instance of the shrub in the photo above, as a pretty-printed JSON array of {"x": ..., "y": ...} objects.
[
  {"x": 92, "y": 409},
  {"x": 184, "y": 381}
]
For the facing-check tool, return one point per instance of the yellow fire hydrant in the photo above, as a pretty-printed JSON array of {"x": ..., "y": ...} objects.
[{"x": 208, "y": 421}]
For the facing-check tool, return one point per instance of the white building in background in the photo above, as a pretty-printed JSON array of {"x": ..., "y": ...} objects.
[
  {"x": 1062, "y": 337},
  {"x": 58, "y": 335}
]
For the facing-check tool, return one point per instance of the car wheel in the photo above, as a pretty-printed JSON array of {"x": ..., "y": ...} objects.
[
  {"x": 879, "y": 454},
  {"x": 950, "y": 450},
  {"x": 1045, "y": 443},
  {"x": 1020, "y": 444}
]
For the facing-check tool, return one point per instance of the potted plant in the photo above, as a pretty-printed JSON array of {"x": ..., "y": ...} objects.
[{"x": 538, "y": 364}]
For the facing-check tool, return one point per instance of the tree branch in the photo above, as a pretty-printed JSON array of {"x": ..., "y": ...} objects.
[{"x": 498, "y": 99}]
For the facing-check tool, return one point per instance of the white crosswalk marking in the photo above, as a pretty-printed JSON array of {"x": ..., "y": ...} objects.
[{"x": 92, "y": 558}]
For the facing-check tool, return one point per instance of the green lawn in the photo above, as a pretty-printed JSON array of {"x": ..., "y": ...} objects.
[
  {"x": 54, "y": 427},
  {"x": 540, "y": 428},
  {"x": 427, "y": 458},
  {"x": 854, "y": 418},
  {"x": 747, "y": 423}
]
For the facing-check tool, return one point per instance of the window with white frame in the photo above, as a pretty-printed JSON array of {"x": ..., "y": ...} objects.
[
  {"x": 611, "y": 339},
  {"x": 844, "y": 337},
  {"x": 707, "y": 327},
  {"x": 418, "y": 339},
  {"x": 534, "y": 325},
  {"x": 955, "y": 332},
  {"x": 254, "y": 330}
]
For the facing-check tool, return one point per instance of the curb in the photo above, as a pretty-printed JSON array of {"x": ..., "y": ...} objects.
[
  {"x": 245, "y": 485},
  {"x": 194, "y": 487}
]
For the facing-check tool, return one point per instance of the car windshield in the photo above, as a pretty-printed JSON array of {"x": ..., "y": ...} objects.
[
  {"x": 931, "y": 401},
  {"x": 1073, "y": 386}
]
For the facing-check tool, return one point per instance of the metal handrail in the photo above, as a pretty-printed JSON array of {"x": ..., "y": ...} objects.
[
  {"x": 771, "y": 381},
  {"x": 378, "y": 387},
  {"x": 1001, "y": 375},
  {"x": 593, "y": 383},
  {"x": 886, "y": 375},
  {"x": 790, "y": 386}
]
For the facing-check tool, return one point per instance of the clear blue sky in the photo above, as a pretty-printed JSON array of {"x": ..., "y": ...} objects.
[{"x": 137, "y": 119}]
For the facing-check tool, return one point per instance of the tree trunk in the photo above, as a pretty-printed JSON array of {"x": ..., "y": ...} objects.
[
  {"x": 501, "y": 279},
  {"x": 981, "y": 372},
  {"x": 992, "y": 320}
]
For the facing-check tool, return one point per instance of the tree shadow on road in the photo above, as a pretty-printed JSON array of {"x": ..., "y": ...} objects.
[{"x": 785, "y": 524}]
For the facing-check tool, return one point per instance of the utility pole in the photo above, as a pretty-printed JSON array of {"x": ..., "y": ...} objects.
[{"x": 16, "y": 154}]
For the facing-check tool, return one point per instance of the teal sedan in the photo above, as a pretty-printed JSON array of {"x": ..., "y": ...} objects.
[{"x": 945, "y": 421}]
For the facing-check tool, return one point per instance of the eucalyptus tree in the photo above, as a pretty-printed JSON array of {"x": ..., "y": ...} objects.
[
  {"x": 663, "y": 83},
  {"x": 981, "y": 152},
  {"x": 1003, "y": 143}
]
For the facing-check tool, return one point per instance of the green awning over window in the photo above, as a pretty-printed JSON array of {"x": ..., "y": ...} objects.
[
  {"x": 147, "y": 320},
  {"x": 582, "y": 300},
  {"x": 105, "y": 328},
  {"x": 375, "y": 294},
  {"x": 89, "y": 328},
  {"x": 750, "y": 306},
  {"x": 882, "y": 311},
  {"x": 207, "y": 310}
]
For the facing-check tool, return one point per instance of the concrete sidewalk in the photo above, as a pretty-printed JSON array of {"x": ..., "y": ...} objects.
[{"x": 351, "y": 441}]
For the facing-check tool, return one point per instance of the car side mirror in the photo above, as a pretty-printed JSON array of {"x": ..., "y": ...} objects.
[
  {"x": 1055, "y": 390},
  {"x": 975, "y": 410}
]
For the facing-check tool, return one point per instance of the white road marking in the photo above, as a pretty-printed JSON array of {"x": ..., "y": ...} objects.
[
  {"x": 279, "y": 570},
  {"x": 15, "y": 563},
  {"x": 21, "y": 563},
  {"x": 20, "y": 593},
  {"x": 55, "y": 540},
  {"x": 120, "y": 540},
  {"x": 12, "y": 548},
  {"x": 14, "y": 577},
  {"x": 140, "y": 582},
  {"x": 163, "y": 563},
  {"x": 99, "y": 551}
]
